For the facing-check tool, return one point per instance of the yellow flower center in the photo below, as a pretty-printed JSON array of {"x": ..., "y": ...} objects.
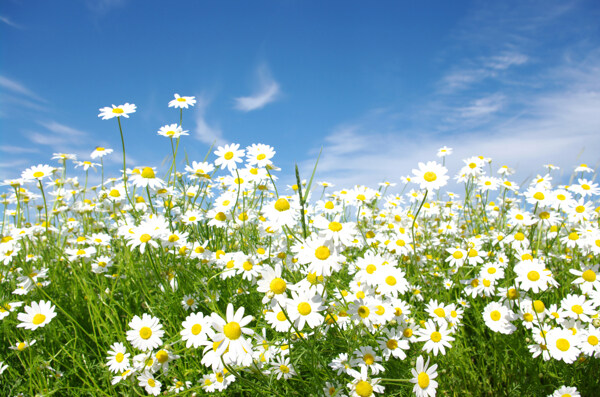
[
  {"x": 457, "y": 254},
  {"x": 162, "y": 356},
  {"x": 363, "y": 312},
  {"x": 38, "y": 319},
  {"x": 577, "y": 309},
  {"x": 436, "y": 336},
  {"x": 335, "y": 226},
  {"x": 562, "y": 344},
  {"x": 261, "y": 156},
  {"x": 368, "y": 359},
  {"x": 304, "y": 308},
  {"x": 281, "y": 316},
  {"x": 423, "y": 380},
  {"x": 495, "y": 315},
  {"x": 390, "y": 280},
  {"x": 228, "y": 155},
  {"x": 539, "y": 196},
  {"x": 589, "y": 276},
  {"x": 232, "y": 330},
  {"x": 539, "y": 306},
  {"x": 430, "y": 176},
  {"x": 282, "y": 205},
  {"x": 283, "y": 368},
  {"x": 144, "y": 238},
  {"x": 533, "y": 275},
  {"x": 278, "y": 286},
  {"x": 38, "y": 174},
  {"x": 392, "y": 344},
  {"x": 440, "y": 312},
  {"x": 119, "y": 357},
  {"x": 592, "y": 340},
  {"x": 117, "y": 110},
  {"x": 145, "y": 333},
  {"x": 21, "y": 346},
  {"x": 322, "y": 253},
  {"x": 196, "y": 329},
  {"x": 148, "y": 173},
  {"x": 329, "y": 205},
  {"x": 151, "y": 382},
  {"x": 364, "y": 389}
]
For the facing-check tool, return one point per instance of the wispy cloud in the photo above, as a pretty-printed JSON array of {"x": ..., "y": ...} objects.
[
  {"x": 9, "y": 22},
  {"x": 204, "y": 132},
  {"x": 18, "y": 88},
  {"x": 558, "y": 125},
  {"x": 17, "y": 149},
  {"x": 59, "y": 137},
  {"x": 482, "y": 107},
  {"x": 102, "y": 7},
  {"x": 267, "y": 91},
  {"x": 474, "y": 71},
  {"x": 63, "y": 130}
]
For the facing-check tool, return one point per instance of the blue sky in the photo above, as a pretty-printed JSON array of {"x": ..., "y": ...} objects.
[{"x": 380, "y": 88}]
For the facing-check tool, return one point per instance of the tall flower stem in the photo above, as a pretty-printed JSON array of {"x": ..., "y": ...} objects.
[
  {"x": 45, "y": 205},
  {"x": 124, "y": 165}
]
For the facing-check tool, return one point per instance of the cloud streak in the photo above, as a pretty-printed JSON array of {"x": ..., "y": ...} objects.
[
  {"x": 205, "y": 132},
  {"x": 9, "y": 22},
  {"x": 268, "y": 91}
]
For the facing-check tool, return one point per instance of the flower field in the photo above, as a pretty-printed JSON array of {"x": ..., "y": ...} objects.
[{"x": 210, "y": 277}]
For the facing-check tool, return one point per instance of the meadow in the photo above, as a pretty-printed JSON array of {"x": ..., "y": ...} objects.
[{"x": 210, "y": 277}]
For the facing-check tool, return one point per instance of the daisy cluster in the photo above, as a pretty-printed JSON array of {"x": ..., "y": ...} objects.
[{"x": 215, "y": 279}]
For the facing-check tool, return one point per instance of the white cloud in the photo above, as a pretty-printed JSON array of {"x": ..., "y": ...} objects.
[
  {"x": 474, "y": 71},
  {"x": 268, "y": 91},
  {"x": 102, "y": 7},
  {"x": 482, "y": 107},
  {"x": 205, "y": 132},
  {"x": 18, "y": 88},
  {"x": 62, "y": 129},
  {"x": 558, "y": 126},
  {"x": 17, "y": 149},
  {"x": 9, "y": 22}
]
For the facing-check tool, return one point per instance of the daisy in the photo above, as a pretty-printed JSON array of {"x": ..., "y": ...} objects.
[
  {"x": 565, "y": 391},
  {"x": 147, "y": 381},
  {"x": 196, "y": 329},
  {"x": 562, "y": 345},
  {"x": 282, "y": 368},
  {"x": 20, "y": 346},
  {"x": 147, "y": 178},
  {"x": 37, "y": 172},
  {"x": 587, "y": 278},
  {"x": 229, "y": 156},
  {"x": 37, "y": 315},
  {"x": 277, "y": 320},
  {"x": 171, "y": 131},
  {"x": 199, "y": 170},
  {"x": 366, "y": 357},
  {"x": 259, "y": 155},
  {"x": 118, "y": 358},
  {"x": 229, "y": 333},
  {"x": 362, "y": 385},
  {"x": 100, "y": 152},
  {"x": 577, "y": 307},
  {"x": 436, "y": 340},
  {"x": 392, "y": 344},
  {"x": 272, "y": 284},
  {"x": 444, "y": 151},
  {"x": 182, "y": 102},
  {"x": 117, "y": 111},
  {"x": 304, "y": 309},
  {"x": 423, "y": 378},
  {"x": 498, "y": 318},
  {"x": 532, "y": 275},
  {"x": 146, "y": 332}
]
